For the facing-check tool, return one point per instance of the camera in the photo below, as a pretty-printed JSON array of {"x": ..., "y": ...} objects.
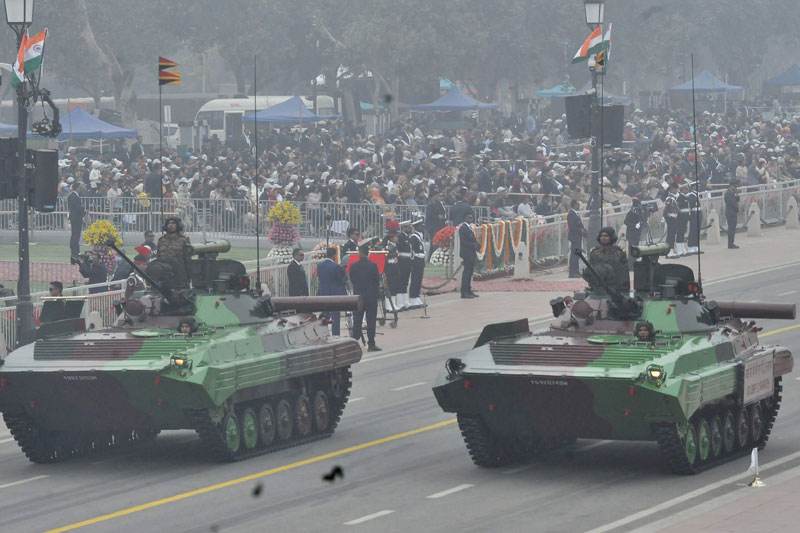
[{"x": 78, "y": 259}]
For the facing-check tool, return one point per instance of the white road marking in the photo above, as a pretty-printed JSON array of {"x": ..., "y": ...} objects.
[
  {"x": 449, "y": 491},
  {"x": 369, "y": 517},
  {"x": 693, "y": 495},
  {"x": 797, "y": 379},
  {"x": 517, "y": 470},
  {"x": 404, "y": 387},
  {"x": 786, "y": 293},
  {"x": 21, "y": 481},
  {"x": 593, "y": 445},
  {"x": 754, "y": 301},
  {"x": 6, "y": 440},
  {"x": 351, "y": 400},
  {"x": 753, "y": 273}
]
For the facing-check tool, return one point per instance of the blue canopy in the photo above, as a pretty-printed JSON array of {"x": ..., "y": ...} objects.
[
  {"x": 790, "y": 77},
  {"x": 454, "y": 100},
  {"x": 292, "y": 111},
  {"x": 559, "y": 91},
  {"x": 79, "y": 124},
  {"x": 8, "y": 128},
  {"x": 705, "y": 83}
]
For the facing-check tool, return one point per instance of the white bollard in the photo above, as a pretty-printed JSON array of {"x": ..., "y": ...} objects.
[
  {"x": 522, "y": 268},
  {"x": 792, "y": 222},
  {"x": 754, "y": 220},
  {"x": 712, "y": 234}
]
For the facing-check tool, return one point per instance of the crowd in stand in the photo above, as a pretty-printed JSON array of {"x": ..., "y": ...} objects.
[{"x": 513, "y": 166}]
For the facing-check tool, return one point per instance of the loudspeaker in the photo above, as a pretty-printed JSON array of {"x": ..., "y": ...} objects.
[
  {"x": 8, "y": 169},
  {"x": 613, "y": 120},
  {"x": 44, "y": 186},
  {"x": 579, "y": 116}
]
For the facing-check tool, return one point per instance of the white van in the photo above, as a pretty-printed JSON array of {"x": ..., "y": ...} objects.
[{"x": 225, "y": 115}]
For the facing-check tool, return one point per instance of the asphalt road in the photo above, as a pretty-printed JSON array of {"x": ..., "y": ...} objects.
[{"x": 405, "y": 467}]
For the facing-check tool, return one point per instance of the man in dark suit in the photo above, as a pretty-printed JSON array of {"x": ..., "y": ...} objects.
[
  {"x": 332, "y": 282},
  {"x": 137, "y": 150},
  {"x": 76, "y": 214},
  {"x": 366, "y": 281},
  {"x": 351, "y": 245},
  {"x": 435, "y": 215},
  {"x": 575, "y": 233},
  {"x": 732, "y": 212},
  {"x": 298, "y": 283},
  {"x": 460, "y": 208},
  {"x": 468, "y": 250},
  {"x": 152, "y": 182}
]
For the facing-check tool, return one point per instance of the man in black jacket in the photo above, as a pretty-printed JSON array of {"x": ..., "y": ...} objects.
[
  {"x": 732, "y": 211},
  {"x": 468, "y": 251},
  {"x": 460, "y": 209},
  {"x": 298, "y": 283},
  {"x": 95, "y": 271},
  {"x": 76, "y": 214},
  {"x": 435, "y": 215},
  {"x": 366, "y": 280},
  {"x": 575, "y": 233}
]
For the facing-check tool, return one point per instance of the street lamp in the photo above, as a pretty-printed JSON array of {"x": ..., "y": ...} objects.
[
  {"x": 19, "y": 16},
  {"x": 595, "y": 12}
]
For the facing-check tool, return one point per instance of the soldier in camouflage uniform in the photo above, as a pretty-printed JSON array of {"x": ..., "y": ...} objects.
[
  {"x": 608, "y": 248},
  {"x": 174, "y": 245}
]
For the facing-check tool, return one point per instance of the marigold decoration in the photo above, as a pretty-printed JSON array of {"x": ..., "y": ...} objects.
[
  {"x": 284, "y": 213},
  {"x": 100, "y": 232},
  {"x": 444, "y": 237}
]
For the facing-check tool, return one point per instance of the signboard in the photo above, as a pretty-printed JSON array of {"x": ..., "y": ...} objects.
[{"x": 758, "y": 378}]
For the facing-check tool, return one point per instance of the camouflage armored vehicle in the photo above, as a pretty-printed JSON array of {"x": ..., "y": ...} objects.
[
  {"x": 251, "y": 374},
  {"x": 660, "y": 363}
]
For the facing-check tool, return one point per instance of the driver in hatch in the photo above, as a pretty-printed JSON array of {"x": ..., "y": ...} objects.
[
  {"x": 645, "y": 332},
  {"x": 608, "y": 248},
  {"x": 187, "y": 326}
]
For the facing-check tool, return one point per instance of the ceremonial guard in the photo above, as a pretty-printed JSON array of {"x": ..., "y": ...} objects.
[
  {"x": 694, "y": 222},
  {"x": 683, "y": 219},
  {"x": 732, "y": 212},
  {"x": 403, "y": 265},
  {"x": 417, "y": 264},
  {"x": 671, "y": 211},
  {"x": 175, "y": 245},
  {"x": 392, "y": 269},
  {"x": 608, "y": 249}
]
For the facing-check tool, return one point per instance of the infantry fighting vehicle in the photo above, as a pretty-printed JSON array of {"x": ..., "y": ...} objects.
[
  {"x": 697, "y": 381},
  {"x": 251, "y": 374}
]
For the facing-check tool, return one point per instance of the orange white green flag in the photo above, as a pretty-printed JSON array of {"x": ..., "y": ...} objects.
[
  {"x": 592, "y": 45},
  {"x": 29, "y": 56}
]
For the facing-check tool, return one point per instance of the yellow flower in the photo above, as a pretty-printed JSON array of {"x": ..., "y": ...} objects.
[
  {"x": 100, "y": 232},
  {"x": 285, "y": 213}
]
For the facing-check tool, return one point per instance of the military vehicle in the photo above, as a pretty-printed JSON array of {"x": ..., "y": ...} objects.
[
  {"x": 250, "y": 374},
  {"x": 696, "y": 379}
]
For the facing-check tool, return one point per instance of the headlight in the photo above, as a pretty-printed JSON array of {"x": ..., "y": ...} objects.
[
  {"x": 656, "y": 373},
  {"x": 180, "y": 361}
]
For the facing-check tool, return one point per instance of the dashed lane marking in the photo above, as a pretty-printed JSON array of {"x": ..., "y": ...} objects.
[
  {"x": 593, "y": 445},
  {"x": 787, "y": 293},
  {"x": 368, "y": 517},
  {"x": 21, "y": 481},
  {"x": 448, "y": 492},
  {"x": 3, "y": 441},
  {"x": 351, "y": 400},
  {"x": 404, "y": 387}
]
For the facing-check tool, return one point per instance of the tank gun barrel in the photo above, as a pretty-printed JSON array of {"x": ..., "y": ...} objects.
[
  {"x": 758, "y": 310},
  {"x": 214, "y": 247},
  {"x": 310, "y": 304}
]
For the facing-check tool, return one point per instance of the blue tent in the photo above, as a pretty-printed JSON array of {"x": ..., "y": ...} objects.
[
  {"x": 790, "y": 77},
  {"x": 292, "y": 111},
  {"x": 559, "y": 91},
  {"x": 705, "y": 83},
  {"x": 454, "y": 100},
  {"x": 79, "y": 124},
  {"x": 8, "y": 128}
]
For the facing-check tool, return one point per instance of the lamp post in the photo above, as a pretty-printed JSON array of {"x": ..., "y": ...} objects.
[
  {"x": 19, "y": 16},
  {"x": 594, "y": 11}
]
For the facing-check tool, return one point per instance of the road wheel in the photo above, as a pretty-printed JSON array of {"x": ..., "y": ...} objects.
[
  {"x": 302, "y": 415},
  {"x": 283, "y": 416},
  {"x": 231, "y": 434},
  {"x": 690, "y": 445},
  {"x": 728, "y": 432},
  {"x": 249, "y": 428},
  {"x": 756, "y": 422},
  {"x": 703, "y": 440},
  {"x": 266, "y": 424},
  {"x": 742, "y": 428},
  {"x": 716, "y": 436},
  {"x": 322, "y": 412}
]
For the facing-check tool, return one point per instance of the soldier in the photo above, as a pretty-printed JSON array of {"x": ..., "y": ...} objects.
[
  {"x": 391, "y": 269},
  {"x": 417, "y": 264},
  {"x": 671, "y": 210},
  {"x": 608, "y": 248},
  {"x": 694, "y": 222},
  {"x": 403, "y": 265},
  {"x": 732, "y": 212},
  {"x": 176, "y": 246},
  {"x": 683, "y": 219}
]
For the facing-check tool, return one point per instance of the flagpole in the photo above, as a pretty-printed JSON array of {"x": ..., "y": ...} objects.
[
  {"x": 161, "y": 148},
  {"x": 258, "y": 198}
]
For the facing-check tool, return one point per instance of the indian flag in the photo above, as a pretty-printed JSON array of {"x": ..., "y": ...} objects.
[
  {"x": 29, "y": 56},
  {"x": 592, "y": 45}
]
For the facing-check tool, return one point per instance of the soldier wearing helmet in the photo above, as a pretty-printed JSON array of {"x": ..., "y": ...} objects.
[
  {"x": 608, "y": 248},
  {"x": 175, "y": 245}
]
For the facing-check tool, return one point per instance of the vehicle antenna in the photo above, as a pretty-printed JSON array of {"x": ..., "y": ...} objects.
[
  {"x": 258, "y": 192},
  {"x": 696, "y": 181}
]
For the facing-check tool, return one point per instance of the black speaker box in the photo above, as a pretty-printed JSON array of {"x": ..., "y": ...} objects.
[
  {"x": 8, "y": 169},
  {"x": 44, "y": 186},
  {"x": 613, "y": 121},
  {"x": 579, "y": 116}
]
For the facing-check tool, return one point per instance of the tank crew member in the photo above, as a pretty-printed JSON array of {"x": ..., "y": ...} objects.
[
  {"x": 575, "y": 234},
  {"x": 353, "y": 235},
  {"x": 175, "y": 245},
  {"x": 392, "y": 269},
  {"x": 366, "y": 282},
  {"x": 683, "y": 219},
  {"x": 645, "y": 332},
  {"x": 417, "y": 264},
  {"x": 298, "y": 283},
  {"x": 468, "y": 250},
  {"x": 332, "y": 282},
  {"x": 732, "y": 211},
  {"x": 187, "y": 326},
  {"x": 671, "y": 210},
  {"x": 608, "y": 248},
  {"x": 694, "y": 223},
  {"x": 403, "y": 265}
]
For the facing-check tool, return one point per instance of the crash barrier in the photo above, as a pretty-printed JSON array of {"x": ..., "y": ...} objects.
[
  {"x": 274, "y": 279},
  {"x": 208, "y": 219}
]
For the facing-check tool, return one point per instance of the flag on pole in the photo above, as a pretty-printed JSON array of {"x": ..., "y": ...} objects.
[
  {"x": 591, "y": 45},
  {"x": 29, "y": 56},
  {"x": 604, "y": 54},
  {"x": 168, "y": 77},
  {"x": 164, "y": 63}
]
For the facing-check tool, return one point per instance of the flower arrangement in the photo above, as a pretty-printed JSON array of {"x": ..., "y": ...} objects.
[
  {"x": 281, "y": 233},
  {"x": 100, "y": 232},
  {"x": 280, "y": 253},
  {"x": 284, "y": 213},
  {"x": 442, "y": 256},
  {"x": 444, "y": 237}
]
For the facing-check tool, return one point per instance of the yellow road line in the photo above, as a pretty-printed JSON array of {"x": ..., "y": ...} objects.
[
  {"x": 780, "y": 330},
  {"x": 251, "y": 477}
]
